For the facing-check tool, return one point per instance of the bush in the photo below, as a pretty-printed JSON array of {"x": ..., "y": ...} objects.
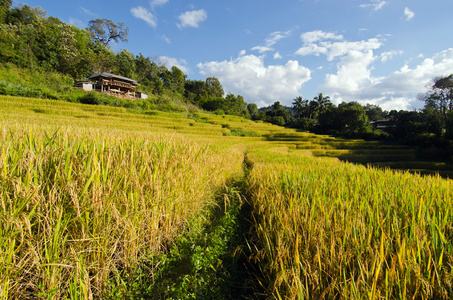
[
  {"x": 240, "y": 132},
  {"x": 304, "y": 123},
  {"x": 278, "y": 120},
  {"x": 90, "y": 98}
]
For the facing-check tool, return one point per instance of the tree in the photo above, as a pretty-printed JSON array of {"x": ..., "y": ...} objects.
[
  {"x": 173, "y": 80},
  {"x": 321, "y": 103},
  {"x": 104, "y": 31},
  {"x": 278, "y": 114},
  {"x": 276, "y": 105},
  {"x": 374, "y": 112},
  {"x": 194, "y": 91},
  {"x": 213, "y": 87},
  {"x": 354, "y": 118},
  {"x": 5, "y": 6},
  {"x": 253, "y": 110},
  {"x": 125, "y": 64},
  {"x": 24, "y": 15},
  {"x": 235, "y": 105},
  {"x": 178, "y": 80},
  {"x": 104, "y": 60},
  {"x": 300, "y": 106},
  {"x": 442, "y": 93}
]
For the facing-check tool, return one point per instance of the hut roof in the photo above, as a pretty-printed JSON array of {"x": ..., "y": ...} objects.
[{"x": 108, "y": 75}]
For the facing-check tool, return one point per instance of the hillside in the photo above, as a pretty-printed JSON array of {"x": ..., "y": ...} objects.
[{"x": 99, "y": 202}]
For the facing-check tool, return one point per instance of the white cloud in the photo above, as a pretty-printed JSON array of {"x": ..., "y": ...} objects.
[
  {"x": 243, "y": 52},
  {"x": 155, "y": 3},
  {"x": 277, "y": 55},
  {"x": 319, "y": 35},
  {"x": 143, "y": 14},
  {"x": 319, "y": 42},
  {"x": 166, "y": 39},
  {"x": 375, "y": 4},
  {"x": 86, "y": 11},
  {"x": 248, "y": 76},
  {"x": 408, "y": 13},
  {"x": 171, "y": 61},
  {"x": 274, "y": 37},
  {"x": 261, "y": 49},
  {"x": 385, "y": 56},
  {"x": 271, "y": 40},
  {"x": 354, "y": 81},
  {"x": 192, "y": 18},
  {"x": 353, "y": 73}
]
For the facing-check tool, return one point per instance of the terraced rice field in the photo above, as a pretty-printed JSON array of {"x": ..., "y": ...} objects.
[{"x": 97, "y": 202}]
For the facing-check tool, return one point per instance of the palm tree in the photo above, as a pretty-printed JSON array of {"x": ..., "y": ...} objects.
[
  {"x": 322, "y": 103},
  {"x": 300, "y": 105}
]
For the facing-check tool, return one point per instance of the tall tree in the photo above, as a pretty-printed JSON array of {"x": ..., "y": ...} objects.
[
  {"x": 104, "y": 31},
  {"x": 213, "y": 87},
  {"x": 253, "y": 110},
  {"x": 125, "y": 63},
  {"x": 442, "y": 93},
  {"x": 300, "y": 106},
  {"x": 374, "y": 112},
  {"x": 5, "y": 6},
  {"x": 322, "y": 103}
]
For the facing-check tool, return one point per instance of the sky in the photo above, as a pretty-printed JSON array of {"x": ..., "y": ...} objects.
[{"x": 382, "y": 52}]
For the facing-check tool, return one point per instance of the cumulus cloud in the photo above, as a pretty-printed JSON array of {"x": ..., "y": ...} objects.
[
  {"x": 353, "y": 81},
  {"x": 353, "y": 73},
  {"x": 171, "y": 61},
  {"x": 248, "y": 76},
  {"x": 143, "y": 14},
  {"x": 192, "y": 18},
  {"x": 277, "y": 55},
  {"x": 375, "y": 4},
  {"x": 319, "y": 42},
  {"x": 408, "y": 13},
  {"x": 271, "y": 40}
]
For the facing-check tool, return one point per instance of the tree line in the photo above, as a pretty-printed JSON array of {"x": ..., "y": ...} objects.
[{"x": 431, "y": 126}]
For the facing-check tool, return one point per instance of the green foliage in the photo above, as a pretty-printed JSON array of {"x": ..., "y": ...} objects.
[
  {"x": 240, "y": 132},
  {"x": 104, "y": 31},
  {"x": 5, "y": 6},
  {"x": 213, "y": 87},
  {"x": 304, "y": 123},
  {"x": 374, "y": 112},
  {"x": 125, "y": 64},
  {"x": 301, "y": 107},
  {"x": 199, "y": 265},
  {"x": 253, "y": 110}
]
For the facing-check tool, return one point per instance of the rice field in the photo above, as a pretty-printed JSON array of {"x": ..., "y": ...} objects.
[
  {"x": 88, "y": 193},
  {"x": 332, "y": 230}
]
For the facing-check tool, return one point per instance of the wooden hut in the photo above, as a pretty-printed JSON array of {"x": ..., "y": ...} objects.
[{"x": 106, "y": 82}]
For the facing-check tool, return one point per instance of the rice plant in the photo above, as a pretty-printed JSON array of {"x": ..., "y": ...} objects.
[{"x": 328, "y": 229}]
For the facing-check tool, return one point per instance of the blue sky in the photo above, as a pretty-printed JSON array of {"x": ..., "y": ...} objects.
[{"x": 382, "y": 52}]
